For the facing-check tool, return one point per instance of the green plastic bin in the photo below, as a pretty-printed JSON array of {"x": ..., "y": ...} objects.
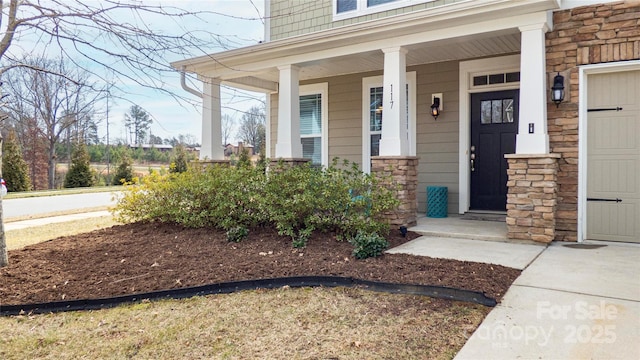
[{"x": 437, "y": 198}]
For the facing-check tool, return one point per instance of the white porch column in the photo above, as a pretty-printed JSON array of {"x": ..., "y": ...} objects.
[
  {"x": 532, "y": 124},
  {"x": 288, "y": 143},
  {"x": 211, "y": 148},
  {"x": 394, "y": 141}
]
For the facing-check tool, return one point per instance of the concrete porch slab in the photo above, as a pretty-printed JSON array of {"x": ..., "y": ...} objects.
[
  {"x": 506, "y": 254},
  {"x": 455, "y": 227},
  {"x": 612, "y": 270},
  {"x": 534, "y": 323}
]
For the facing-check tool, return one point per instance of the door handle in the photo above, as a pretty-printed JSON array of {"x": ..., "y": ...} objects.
[{"x": 473, "y": 158}]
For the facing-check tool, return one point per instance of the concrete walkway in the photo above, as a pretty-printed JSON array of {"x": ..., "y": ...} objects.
[
  {"x": 572, "y": 300},
  {"x": 469, "y": 240}
]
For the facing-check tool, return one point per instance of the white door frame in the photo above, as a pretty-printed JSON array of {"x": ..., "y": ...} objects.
[
  {"x": 467, "y": 69},
  {"x": 584, "y": 72}
]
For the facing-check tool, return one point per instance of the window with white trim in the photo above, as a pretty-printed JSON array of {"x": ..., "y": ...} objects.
[
  {"x": 313, "y": 123},
  {"x": 373, "y": 117},
  {"x": 345, "y": 9},
  {"x": 375, "y": 120}
]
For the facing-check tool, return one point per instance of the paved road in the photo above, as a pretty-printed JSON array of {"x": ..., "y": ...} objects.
[{"x": 50, "y": 204}]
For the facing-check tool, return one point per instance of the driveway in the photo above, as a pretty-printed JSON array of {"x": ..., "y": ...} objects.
[{"x": 575, "y": 301}]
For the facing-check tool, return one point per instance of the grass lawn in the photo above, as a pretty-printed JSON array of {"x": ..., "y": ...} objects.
[
  {"x": 307, "y": 323},
  {"x": 20, "y": 238}
]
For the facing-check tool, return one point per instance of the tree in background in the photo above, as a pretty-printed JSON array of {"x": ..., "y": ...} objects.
[
  {"x": 155, "y": 140},
  {"x": 34, "y": 149},
  {"x": 80, "y": 173},
  {"x": 14, "y": 168},
  {"x": 92, "y": 35},
  {"x": 184, "y": 139},
  {"x": 124, "y": 172},
  {"x": 137, "y": 121},
  {"x": 50, "y": 104},
  {"x": 227, "y": 124},
  {"x": 179, "y": 163},
  {"x": 252, "y": 127}
]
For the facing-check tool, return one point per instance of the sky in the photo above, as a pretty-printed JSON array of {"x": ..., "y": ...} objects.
[
  {"x": 242, "y": 27},
  {"x": 170, "y": 117}
]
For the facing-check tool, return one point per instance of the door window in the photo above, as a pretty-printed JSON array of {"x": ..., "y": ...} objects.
[{"x": 496, "y": 111}]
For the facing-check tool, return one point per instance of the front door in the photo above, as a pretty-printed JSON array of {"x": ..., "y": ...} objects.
[
  {"x": 613, "y": 156},
  {"x": 494, "y": 124}
]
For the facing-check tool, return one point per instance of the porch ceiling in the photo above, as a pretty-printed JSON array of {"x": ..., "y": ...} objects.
[{"x": 469, "y": 47}]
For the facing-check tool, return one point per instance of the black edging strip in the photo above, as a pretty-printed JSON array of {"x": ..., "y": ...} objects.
[{"x": 230, "y": 287}]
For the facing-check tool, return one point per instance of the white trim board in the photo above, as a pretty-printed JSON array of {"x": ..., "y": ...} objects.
[{"x": 465, "y": 88}]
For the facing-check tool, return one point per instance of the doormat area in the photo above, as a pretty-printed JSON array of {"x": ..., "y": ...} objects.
[
  {"x": 484, "y": 217},
  {"x": 583, "y": 246}
]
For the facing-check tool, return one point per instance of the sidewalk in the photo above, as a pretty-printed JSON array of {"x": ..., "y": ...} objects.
[{"x": 23, "y": 224}]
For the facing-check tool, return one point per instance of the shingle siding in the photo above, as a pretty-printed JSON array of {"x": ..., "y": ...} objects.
[{"x": 297, "y": 17}]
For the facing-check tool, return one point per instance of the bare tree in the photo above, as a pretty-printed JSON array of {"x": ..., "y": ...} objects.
[
  {"x": 228, "y": 123},
  {"x": 51, "y": 103},
  {"x": 92, "y": 35},
  {"x": 252, "y": 127}
]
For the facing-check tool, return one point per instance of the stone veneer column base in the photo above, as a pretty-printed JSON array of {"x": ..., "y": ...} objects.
[
  {"x": 403, "y": 171},
  {"x": 532, "y": 196},
  {"x": 274, "y": 164}
]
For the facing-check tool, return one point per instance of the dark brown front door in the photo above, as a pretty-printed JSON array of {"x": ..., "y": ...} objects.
[{"x": 494, "y": 125}]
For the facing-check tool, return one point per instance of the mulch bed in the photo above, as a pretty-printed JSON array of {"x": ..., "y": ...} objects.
[{"x": 142, "y": 257}]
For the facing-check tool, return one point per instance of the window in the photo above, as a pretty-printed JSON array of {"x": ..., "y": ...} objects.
[
  {"x": 345, "y": 9},
  {"x": 496, "y": 79},
  {"x": 311, "y": 127},
  {"x": 373, "y": 117},
  {"x": 496, "y": 111},
  {"x": 313, "y": 123}
]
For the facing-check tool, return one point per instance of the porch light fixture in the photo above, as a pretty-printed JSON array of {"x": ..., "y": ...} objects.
[
  {"x": 436, "y": 106},
  {"x": 557, "y": 90}
]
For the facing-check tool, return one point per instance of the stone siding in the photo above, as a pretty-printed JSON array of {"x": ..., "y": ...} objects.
[
  {"x": 531, "y": 200},
  {"x": 286, "y": 163},
  {"x": 582, "y": 35},
  {"x": 403, "y": 171}
]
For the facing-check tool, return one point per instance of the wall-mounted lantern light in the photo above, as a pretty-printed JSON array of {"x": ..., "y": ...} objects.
[
  {"x": 436, "y": 105},
  {"x": 557, "y": 90}
]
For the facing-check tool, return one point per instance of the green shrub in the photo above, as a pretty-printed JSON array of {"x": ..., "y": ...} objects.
[
  {"x": 295, "y": 200},
  {"x": 290, "y": 200},
  {"x": 237, "y": 233},
  {"x": 218, "y": 196},
  {"x": 368, "y": 245}
]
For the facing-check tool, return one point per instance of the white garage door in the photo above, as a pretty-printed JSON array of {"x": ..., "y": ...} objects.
[{"x": 613, "y": 157}]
